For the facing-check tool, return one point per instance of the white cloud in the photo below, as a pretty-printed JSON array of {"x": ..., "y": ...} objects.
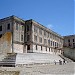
[{"x": 50, "y": 26}]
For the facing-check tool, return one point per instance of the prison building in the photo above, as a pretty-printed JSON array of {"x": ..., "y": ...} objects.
[
  {"x": 38, "y": 38},
  {"x": 69, "y": 41},
  {"x": 28, "y": 36}
]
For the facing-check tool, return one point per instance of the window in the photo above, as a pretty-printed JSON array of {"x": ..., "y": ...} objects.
[
  {"x": 35, "y": 29},
  {"x": 28, "y": 37},
  {"x": 48, "y": 34},
  {"x": 45, "y": 41},
  {"x": 41, "y": 48},
  {"x": 40, "y": 39},
  {"x": 16, "y": 26},
  {"x": 48, "y": 42},
  {"x": 8, "y": 26},
  {"x": 36, "y": 47},
  {"x": 55, "y": 44},
  {"x": 0, "y": 35},
  {"x": 44, "y": 33},
  {"x": 35, "y": 38},
  {"x": 49, "y": 49},
  {"x": 21, "y": 37},
  {"x": 51, "y": 43},
  {"x": 68, "y": 40},
  {"x": 73, "y": 40},
  {"x": 22, "y": 28},
  {"x": 40, "y": 31},
  {"x": 27, "y": 27},
  {"x": 46, "y": 48},
  {"x": 0, "y": 28},
  {"x": 74, "y": 45}
]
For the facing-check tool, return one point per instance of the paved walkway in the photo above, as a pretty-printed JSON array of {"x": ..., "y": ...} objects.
[
  {"x": 42, "y": 69},
  {"x": 67, "y": 69}
]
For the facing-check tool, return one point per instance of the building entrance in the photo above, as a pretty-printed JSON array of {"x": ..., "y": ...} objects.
[{"x": 28, "y": 48}]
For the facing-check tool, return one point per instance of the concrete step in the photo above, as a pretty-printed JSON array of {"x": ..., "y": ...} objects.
[{"x": 8, "y": 61}]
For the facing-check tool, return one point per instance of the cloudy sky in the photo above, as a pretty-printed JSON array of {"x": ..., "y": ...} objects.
[{"x": 57, "y": 15}]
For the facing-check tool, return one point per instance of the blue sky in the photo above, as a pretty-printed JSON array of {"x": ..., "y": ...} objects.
[{"x": 55, "y": 14}]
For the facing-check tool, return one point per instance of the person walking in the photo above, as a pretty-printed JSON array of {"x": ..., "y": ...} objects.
[
  {"x": 60, "y": 62},
  {"x": 64, "y": 61},
  {"x": 54, "y": 62}
]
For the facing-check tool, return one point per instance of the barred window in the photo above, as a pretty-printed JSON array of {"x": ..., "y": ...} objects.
[
  {"x": 0, "y": 28},
  {"x": 40, "y": 39},
  {"x": 41, "y": 48},
  {"x": 8, "y": 26},
  {"x": 73, "y": 40},
  {"x": 22, "y": 28},
  {"x": 35, "y": 29},
  {"x": 44, "y": 33},
  {"x": 21, "y": 37},
  {"x": 51, "y": 43},
  {"x": 36, "y": 47},
  {"x": 40, "y": 31},
  {"x": 28, "y": 37},
  {"x": 16, "y": 26},
  {"x": 48, "y": 42},
  {"x": 28, "y": 28},
  {"x": 45, "y": 41},
  {"x": 35, "y": 38}
]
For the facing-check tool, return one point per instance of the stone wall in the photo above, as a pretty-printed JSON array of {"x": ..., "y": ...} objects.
[
  {"x": 69, "y": 52},
  {"x": 5, "y": 43},
  {"x": 9, "y": 73},
  {"x": 17, "y": 48}
]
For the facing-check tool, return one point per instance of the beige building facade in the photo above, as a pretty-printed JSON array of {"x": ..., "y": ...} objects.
[{"x": 20, "y": 36}]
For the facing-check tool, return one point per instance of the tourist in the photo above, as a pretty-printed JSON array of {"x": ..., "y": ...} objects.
[
  {"x": 60, "y": 62},
  {"x": 54, "y": 62},
  {"x": 64, "y": 61}
]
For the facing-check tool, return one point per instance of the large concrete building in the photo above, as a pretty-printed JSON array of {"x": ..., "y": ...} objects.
[{"x": 20, "y": 36}]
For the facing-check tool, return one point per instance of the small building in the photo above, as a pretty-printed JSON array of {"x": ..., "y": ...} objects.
[
  {"x": 69, "y": 41},
  {"x": 25, "y": 36},
  {"x": 69, "y": 46}
]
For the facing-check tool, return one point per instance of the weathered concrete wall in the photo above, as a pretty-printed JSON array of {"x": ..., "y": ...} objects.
[
  {"x": 6, "y": 43},
  {"x": 17, "y": 48},
  {"x": 69, "y": 52}
]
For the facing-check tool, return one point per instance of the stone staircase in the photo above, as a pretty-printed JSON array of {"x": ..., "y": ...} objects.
[
  {"x": 12, "y": 60},
  {"x": 36, "y": 58},
  {"x": 8, "y": 61}
]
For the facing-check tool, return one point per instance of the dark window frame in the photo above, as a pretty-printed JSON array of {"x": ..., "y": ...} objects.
[
  {"x": 41, "y": 48},
  {"x": 21, "y": 37},
  {"x": 36, "y": 47},
  {"x": 1, "y": 28},
  {"x": 8, "y": 26}
]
